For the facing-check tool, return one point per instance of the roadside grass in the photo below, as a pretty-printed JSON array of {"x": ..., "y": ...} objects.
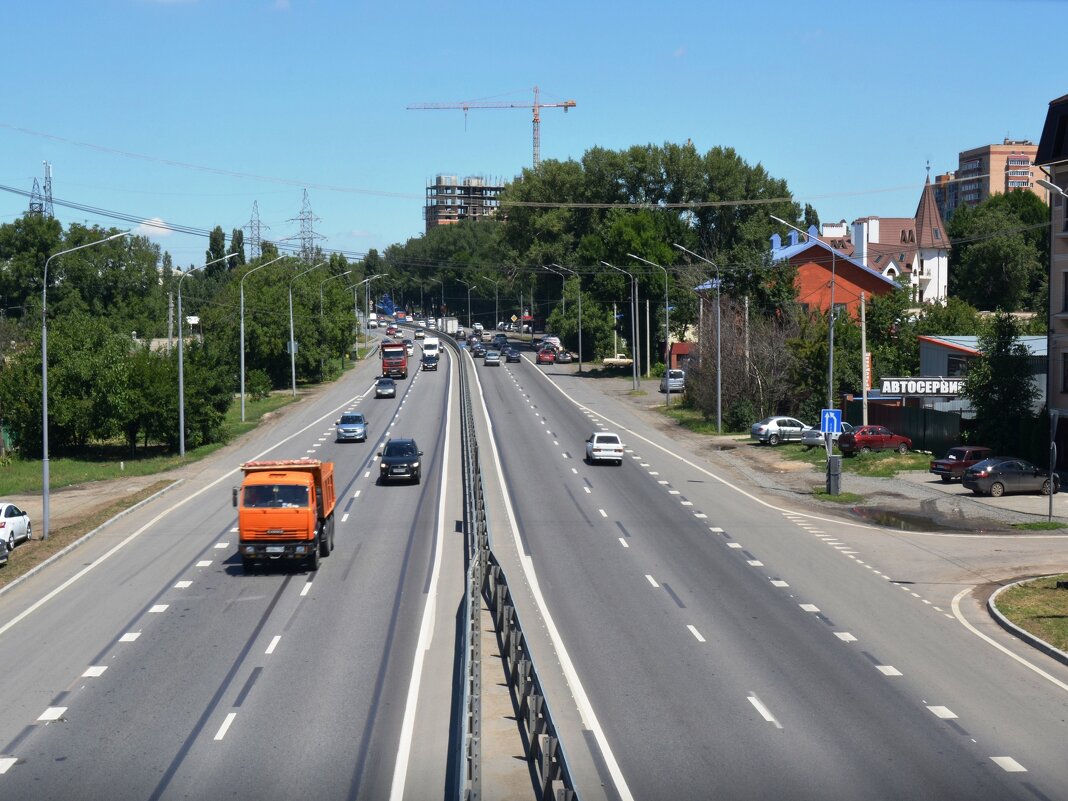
[
  {"x": 877, "y": 464},
  {"x": 113, "y": 460},
  {"x": 842, "y": 497},
  {"x": 1045, "y": 525},
  {"x": 690, "y": 419},
  {"x": 1039, "y": 608},
  {"x": 28, "y": 555}
]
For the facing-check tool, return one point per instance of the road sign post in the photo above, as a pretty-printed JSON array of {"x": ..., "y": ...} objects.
[{"x": 831, "y": 424}]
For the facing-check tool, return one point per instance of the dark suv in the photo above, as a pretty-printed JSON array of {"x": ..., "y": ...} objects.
[{"x": 400, "y": 461}]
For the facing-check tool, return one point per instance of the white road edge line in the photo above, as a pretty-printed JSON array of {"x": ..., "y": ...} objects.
[
  {"x": 225, "y": 725},
  {"x": 426, "y": 628},
  {"x": 578, "y": 692}
]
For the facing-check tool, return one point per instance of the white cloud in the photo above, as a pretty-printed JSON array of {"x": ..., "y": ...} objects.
[
  {"x": 153, "y": 227},
  {"x": 680, "y": 52}
]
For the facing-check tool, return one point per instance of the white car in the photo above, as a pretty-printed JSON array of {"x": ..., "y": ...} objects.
[
  {"x": 774, "y": 430},
  {"x": 14, "y": 525},
  {"x": 604, "y": 446}
]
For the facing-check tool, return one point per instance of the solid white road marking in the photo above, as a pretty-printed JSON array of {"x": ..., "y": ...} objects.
[
  {"x": 1009, "y": 764},
  {"x": 809, "y": 607},
  {"x": 225, "y": 726},
  {"x": 763, "y": 710},
  {"x": 130, "y": 636},
  {"x": 651, "y": 580},
  {"x": 183, "y": 585},
  {"x": 155, "y": 610},
  {"x": 888, "y": 670},
  {"x": 6, "y": 763},
  {"x": 274, "y": 644},
  {"x": 845, "y": 636},
  {"x": 53, "y": 713},
  {"x": 204, "y": 563},
  {"x": 696, "y": 634},
  {"x": 94, "y": 671},
  {"x": 945, "y": 713},
  {"x": 305, "y": 588}
]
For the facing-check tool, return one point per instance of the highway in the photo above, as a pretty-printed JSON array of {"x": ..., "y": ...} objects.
[
  {"x": 717, "y": 645},
  {"x": 146, "y": 664}
]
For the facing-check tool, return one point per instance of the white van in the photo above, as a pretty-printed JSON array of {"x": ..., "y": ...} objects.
[{"x": 431, "y": 346}]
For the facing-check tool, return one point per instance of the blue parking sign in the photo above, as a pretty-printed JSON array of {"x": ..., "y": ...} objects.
[{"x": 831, "y": 421}]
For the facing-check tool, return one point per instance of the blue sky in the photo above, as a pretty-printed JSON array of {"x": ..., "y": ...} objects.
[{"x": 236, "y": 101}]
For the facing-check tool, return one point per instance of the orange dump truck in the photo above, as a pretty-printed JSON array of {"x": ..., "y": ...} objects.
[{"x": 285, "y": 511}]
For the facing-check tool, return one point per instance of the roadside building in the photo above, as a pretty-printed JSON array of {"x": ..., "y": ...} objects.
[
  {"x": 450, "y": 200},
  {"x": 989, "y": 170}
]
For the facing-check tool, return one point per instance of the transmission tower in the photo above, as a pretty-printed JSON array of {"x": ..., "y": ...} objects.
[
  {"x": 36, "y": 199},
  {"x": 48, "y": 191},
  {"x": 307, "y": 234},
  {"x": 255, "y": 229},
  {"x": 41, "y": 203}
]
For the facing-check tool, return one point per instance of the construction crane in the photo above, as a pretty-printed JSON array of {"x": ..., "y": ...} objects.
[{"x": 537, "y": 106}]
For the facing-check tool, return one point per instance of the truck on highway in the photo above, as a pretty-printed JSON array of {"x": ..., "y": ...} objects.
[
  {"x": 394, "y": 359},
  {"x": 431, "y": 346},
  {"x": 285, "y": 511},
  {"x": 450, "y": 325}
]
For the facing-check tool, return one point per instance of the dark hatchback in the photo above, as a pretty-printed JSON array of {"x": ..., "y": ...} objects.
[
  {"x": 1001, "y": 474},
  {"x": 400, "y": 461},
  {"x": 512, "y": 355}
]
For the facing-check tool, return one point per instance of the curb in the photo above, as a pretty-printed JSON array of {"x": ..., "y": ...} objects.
[
  {"x": 1012, "y": 628},
  {"x": 85, "y": 537}
]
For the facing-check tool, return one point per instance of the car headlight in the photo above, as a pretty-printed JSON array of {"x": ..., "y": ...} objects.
[{"x": 415, "y": 465}]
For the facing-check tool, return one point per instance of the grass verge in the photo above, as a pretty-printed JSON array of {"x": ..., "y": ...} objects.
[
  {"x": 29, "y": 555},
  {"x": 1039, "y": 608},
  {"x": 877, "y": 464},
  {"x": 690, "y": 419},
  {"x": 842, "y": 497},
  {"x": 1045, "y": 525}
]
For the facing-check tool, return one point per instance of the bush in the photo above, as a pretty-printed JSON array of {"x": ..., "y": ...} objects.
[
  {"x": 740, "y": 416},
  {"x": 258, "y": 384}
]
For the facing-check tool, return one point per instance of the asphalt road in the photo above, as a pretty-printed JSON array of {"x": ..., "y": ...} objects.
[
  {"x": 701, "y": 641},
  {"x": 148, "y": 665}
]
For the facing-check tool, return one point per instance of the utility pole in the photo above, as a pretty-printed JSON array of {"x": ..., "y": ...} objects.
[{"x": 863, "y": 361}]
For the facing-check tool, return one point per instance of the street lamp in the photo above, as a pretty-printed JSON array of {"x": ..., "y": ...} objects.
[
  {"x": 241, "y": 284},
  {"x": 667, "y": 324},
  {"x": 633, "y": 322},
  {"x": 719, "y": 349},
  {"x": 44, "y": 374},
  {"x": 181, "y": 356},
  {"x": 469, "y": 286},
  {"x": 496, "y": 303},
  {"x": 292, "y": 343},
  {"x": 1053, "y": 189},
  {"x": 572, "y": 272}
]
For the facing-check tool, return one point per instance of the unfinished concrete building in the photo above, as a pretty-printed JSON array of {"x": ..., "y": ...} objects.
[{"x": 450, "y": 200}]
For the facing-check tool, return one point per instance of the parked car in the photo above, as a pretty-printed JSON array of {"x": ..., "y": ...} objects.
[
  {"x": 512, "y": 355},
  {"x": 873, "y": 438},
  {"x": 3, "y": 553},
  {"x": 813, "y": 437},
  {"x": 673, "y": 381},
  {"x": 604, "y": 446},
  {"x": 400, "y": 461},
  {"x": 14, "y": 525},
  {"x": 563, "y": 357},
  {"x": 546, "y": 356},
  {"x": 352, "y": 425},
  {"x": 385, "y": 388},
  {"x": 430, "y": 361},
  {"x": 1000, "y": 474},
  {"x": 958, "y": 459},
  {"x": 492, "y": 358},
  {"x": 774, "y": 430}
]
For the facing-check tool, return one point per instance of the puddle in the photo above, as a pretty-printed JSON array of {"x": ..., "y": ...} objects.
[{"x": 902, "y": 521}]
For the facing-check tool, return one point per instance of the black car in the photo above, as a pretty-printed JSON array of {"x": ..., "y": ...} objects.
[
  {"x": 512, "y": 355},
  {"x": 1000, "y": 474},
  {"x": 400, "y": 461},
  {"x": 385, "y": 387},
  {"x": 430, "y": 361},
  {"x": 477, "y": 350}
]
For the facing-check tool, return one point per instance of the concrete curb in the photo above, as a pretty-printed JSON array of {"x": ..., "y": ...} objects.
[
  {"x": 1012, "y": 628},
  {"x": 87, "y": 536}
]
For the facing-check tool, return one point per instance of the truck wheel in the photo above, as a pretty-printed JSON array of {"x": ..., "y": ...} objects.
[
  {"x": 313, "y": 559},
  {"x": 324, "y": 544}
]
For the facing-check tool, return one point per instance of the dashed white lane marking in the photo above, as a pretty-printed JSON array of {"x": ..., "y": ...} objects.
[
  {"x": 755, "y": 563},
  {"x": 310, "y": 450},
  {"x": 636, "y": 458},
  {"x": 1007, "y": 764},
  {"x": 305, "y": 588},
  {"x": 845, "y": 636},
  {"x": 322, "y": 439},
  {"x": 555, "y": 442},
  {"x": 368, "y": 473},
  {"x": 945, "y": 713},
  {"x": 809, "y": 607},
  {"x": 564, "y": 455},
  {"x": 715, "y": 529},
  {"x": 653, "y": 473},
  {"x": 779, "y": 583},
  {"x": 221, "y": 545},
  {"x": 623, "y": 542},
  {"x": 225, "y": 726},
  {"x": 183, "y": 585},
  {"x": 204, "y": 563},
  {"x": 94, "y": 671},
  {"x": 155, "y": 610},
  {"x": 130, "y": 636},
  {"x": 700, "y": 515},
  {"x": 888, "y": 670},
  {"x": 6, "y": 763},
  {"x": 696, "y": 634},
  {"x": 687, "y": 503},
  {"x": 674, "y": 492},
  {"x": 588, "y": 490},
  {"x": 232, "y": 531},
  {"x": 53, "y": 713},
  {"x": 662, "y": 481},
  {"x": 645, "y": 464},
  {"x": 763, "y": 710},
  {"x": 603, "y": 512},
  {"x": 574, "y": 470},
  {"x": 651, "y": 580},
  {"x": 274, "y": 644},
  {"x": 356, "y": 494},
  {"x": 345, "y": 517},
  {"x": 734, "y": 545}
]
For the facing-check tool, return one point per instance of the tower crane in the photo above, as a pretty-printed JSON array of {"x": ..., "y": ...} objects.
[{"x": 537, "y": 106}]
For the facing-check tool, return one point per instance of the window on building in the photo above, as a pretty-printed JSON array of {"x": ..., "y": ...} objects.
[
  {"x": 957, "y": 365},
  {"x": 937, "y": 234}
]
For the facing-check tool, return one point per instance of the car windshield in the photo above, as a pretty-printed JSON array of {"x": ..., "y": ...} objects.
[
  {"x": 351, "y": 419},
  {"x": 606, "y": 439},
  {"x": 385, "y": 382},
  {"x": 400, "y": 449},
  {"x": 264, "y": 496}
]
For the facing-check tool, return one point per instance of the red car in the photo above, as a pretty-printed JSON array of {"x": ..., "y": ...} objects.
[
  {"x": 546, "y": 356},
  {"x": 959, "y": 459},
  {"x": 873, "y": 438}
]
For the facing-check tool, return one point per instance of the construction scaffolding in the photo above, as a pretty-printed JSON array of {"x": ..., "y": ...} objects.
[{"x": 450, "y": 200}]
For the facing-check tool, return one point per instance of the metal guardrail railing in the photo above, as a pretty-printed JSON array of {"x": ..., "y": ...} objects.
[{"x": 486, "y": 577}]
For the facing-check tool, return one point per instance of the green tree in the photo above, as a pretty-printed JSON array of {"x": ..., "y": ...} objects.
[
  {"x": 237, "y": 247},
  {"x": 216, "y": 250}
]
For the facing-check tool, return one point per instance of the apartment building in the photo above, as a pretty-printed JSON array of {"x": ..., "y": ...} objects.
[
  {"x": 989, "y": 170},
  {"x": 450, "y": 200}
]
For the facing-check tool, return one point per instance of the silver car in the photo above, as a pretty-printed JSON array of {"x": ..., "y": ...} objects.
[
  {"x": 813, "y": 437},
  {"x": 352, "y": 425},
  {"x": 673, "y": 381},
  {"x": 774, "y": 430}
]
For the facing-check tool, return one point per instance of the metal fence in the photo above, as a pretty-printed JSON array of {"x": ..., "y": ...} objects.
[{"x": 929, "y": 429}]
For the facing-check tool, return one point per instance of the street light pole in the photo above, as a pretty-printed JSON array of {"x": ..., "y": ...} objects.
[
  {"x": 1053, "y": 189},
  {"x": 181, "y": 356},
  {"x": 719, "y": 349},
  {"x": 354, "y": 287},
  {"x": 241, "y": 284},
  {"x": 469, "y": 286},
  {"x": 633, "y": 323},
  {"x": 44, "y": 375},
  {"x": 292, "y": 343},
  {"x": 667, "y": 324},
  {"x": 574, "y": 273}
]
